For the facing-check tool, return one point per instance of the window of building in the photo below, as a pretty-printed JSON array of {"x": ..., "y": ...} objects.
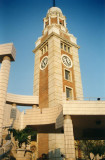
[
  {"x": 45, "y": 49},
  {"x": 47, "y": 23},
  {"x": 69, "y": 93},
  {"x": 61, "y": 22},
  {"x": 69, "y": 49},
  {"x": 65, "y": 47},
  {"x": 42, "y": 51},
  {"x": 61, "y": 45},
  {"x": 67, "y": 75}
]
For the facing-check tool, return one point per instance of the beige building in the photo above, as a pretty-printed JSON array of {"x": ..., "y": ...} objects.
[{"x": 59, "y": 113}]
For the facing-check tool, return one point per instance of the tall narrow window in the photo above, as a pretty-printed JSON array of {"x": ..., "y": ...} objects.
[
  {"x": 42, "y": 51},
  {"x": 61, "y": 45},
  {"x": 65, "y": 47},
  {"x": 47, "y": 23},
  {"x": 45, "y": 49},
  {"x": 67, "y": 75},
  {"x": 69, "y": 93},
  {"x": 68, "y": 49},
  {"x": 61, "y": 22}
]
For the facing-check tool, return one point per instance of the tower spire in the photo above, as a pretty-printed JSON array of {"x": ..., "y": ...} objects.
[{"x": 53, "y": 3}]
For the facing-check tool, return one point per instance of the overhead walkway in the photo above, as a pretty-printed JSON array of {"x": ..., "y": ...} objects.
[
  {"x": 78, "y": 107},
  {"x": 88, "y": 118},
  {"x": 41, "y": 116},
  {"x": 22, "y": 100}
]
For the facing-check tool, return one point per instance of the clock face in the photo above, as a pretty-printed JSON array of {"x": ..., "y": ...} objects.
[
  {"x": 44, "y": 63},
  {"x": 66, "y": 61}
]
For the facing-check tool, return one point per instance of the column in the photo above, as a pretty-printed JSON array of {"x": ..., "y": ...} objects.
[
  {"x": 14, "y": 105},
  {"x": 49, "y": 20},
  {"x": 44, "y": 23},
  {"x": 64, "y": 22},
  {"x": 4, "y": 76},
  {"x": 57, "y": 18},
  {"x": 69, "y": 138},
  {"x": 34, "y": 106}
]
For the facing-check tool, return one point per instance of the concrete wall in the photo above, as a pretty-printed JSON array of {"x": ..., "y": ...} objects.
[{"x": 56, "y": 145}]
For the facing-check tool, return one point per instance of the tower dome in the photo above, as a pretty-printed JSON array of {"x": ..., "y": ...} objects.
[
  {"x": 56, "y": 18},
  {"x": 54, "y": 9}
]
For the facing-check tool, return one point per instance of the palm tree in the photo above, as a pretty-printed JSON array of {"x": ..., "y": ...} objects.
[{"x": 23, "y": 136}]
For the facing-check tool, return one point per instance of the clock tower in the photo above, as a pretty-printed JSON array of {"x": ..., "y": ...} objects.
[{"x": 56, "y": 73}]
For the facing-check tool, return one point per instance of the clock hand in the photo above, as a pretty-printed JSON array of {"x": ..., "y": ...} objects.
[
  {"x": 44, "y": 62},
  {"x": 66, "y": 60}
]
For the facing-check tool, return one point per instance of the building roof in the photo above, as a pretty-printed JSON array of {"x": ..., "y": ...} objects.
[{"x": 54, "y": 9}]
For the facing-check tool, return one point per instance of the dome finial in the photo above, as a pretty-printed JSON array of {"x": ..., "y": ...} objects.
[{"x": 53, "y": 3}]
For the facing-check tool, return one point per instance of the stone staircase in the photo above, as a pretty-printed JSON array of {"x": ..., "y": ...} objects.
[
  {"x": 10, "y": 149},
  {"x": 6, "y": 143},
  {"x": 5, "y": 148}
]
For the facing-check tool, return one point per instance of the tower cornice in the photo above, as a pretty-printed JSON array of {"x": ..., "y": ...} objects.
[{"x": 59, "y": 36}]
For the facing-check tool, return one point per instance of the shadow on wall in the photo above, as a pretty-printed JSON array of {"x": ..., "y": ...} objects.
[
  {"x": 56, "y": 154},
  {"x": 59, "y": 120}
]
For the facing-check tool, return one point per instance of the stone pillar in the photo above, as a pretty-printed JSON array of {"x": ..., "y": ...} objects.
[
  {"x": 57, "y": 18},
  {"x": 4, "y": 76},
  {"x": 65, "y": 23},
  {"x": 34, "y": 106},
  {"x": 49, "y": 20},
  {"x": 14, "y": 105},
  {"x": 44, "y": 24},
  {"x": 69, "y": 138}
]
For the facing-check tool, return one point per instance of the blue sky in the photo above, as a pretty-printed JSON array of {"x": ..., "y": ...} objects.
[{"x": 21, "y": 22}]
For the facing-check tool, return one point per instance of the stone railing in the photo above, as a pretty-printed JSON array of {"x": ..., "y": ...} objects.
[
  {"x": 82, "y": 98},
  {"x": 91, "y": 98}
]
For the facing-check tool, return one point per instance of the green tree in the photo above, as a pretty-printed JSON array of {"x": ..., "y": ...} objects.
[
  {"x": 92, "y": 146},
  {"x": 22, "y": 136},
  {"x": 98, "y": 147}
]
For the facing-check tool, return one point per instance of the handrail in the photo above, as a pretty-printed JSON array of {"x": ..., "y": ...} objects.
[
  {"x": 86, "y": 99},
  {"x": 5, "y": 148}
]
